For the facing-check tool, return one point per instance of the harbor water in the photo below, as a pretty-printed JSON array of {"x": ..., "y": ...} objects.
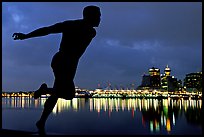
[{"x": 106, "y": 116}]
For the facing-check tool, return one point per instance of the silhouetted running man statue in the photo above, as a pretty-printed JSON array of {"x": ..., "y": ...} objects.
[{"x": 76, "y": 36}]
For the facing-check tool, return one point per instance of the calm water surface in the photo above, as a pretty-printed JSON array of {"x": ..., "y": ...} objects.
[{"x": 103, "y": 116}]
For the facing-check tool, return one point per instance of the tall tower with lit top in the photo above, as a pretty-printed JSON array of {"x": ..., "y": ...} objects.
[{"x": 167, "y": 70}]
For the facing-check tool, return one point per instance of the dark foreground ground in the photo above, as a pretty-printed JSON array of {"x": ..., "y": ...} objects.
[
  {"x": 8, "y": 132},
  {"x": 19, "y": 133}
]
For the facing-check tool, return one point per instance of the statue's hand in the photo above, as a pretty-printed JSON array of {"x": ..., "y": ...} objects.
[{"x": 19, "y": 36}]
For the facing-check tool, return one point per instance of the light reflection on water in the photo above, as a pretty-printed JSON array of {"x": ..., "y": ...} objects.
[{"x": 156, "y": 114}]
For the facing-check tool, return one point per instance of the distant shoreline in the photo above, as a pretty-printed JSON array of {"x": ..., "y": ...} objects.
[{"x": 175, "y": 98}]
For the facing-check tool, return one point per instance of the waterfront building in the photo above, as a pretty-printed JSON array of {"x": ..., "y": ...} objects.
[
  {"x": 164, "y": 78},
  {"x": 155, "y": 80},
  {"x": 180, "y": 87},
  {"x": 145, "y": 82},
  {"x": 170, "y": 83},
  {"x": 163, "y": 82},
  {"x": 193, "y": 82},
  {"x": 151, "y": 81}
]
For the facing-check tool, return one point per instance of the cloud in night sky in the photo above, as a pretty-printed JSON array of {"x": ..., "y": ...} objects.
[{"x": 132, "y": 37}]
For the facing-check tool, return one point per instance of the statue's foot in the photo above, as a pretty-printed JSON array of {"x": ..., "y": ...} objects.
[
  {"x": 41, "y": 128},
  {"x": 40, "y": 91}
]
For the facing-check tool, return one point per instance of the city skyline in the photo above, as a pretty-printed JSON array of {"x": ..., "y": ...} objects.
[
  {"x": 132, "y": 37},
  {"x": 109, "y": 85}
]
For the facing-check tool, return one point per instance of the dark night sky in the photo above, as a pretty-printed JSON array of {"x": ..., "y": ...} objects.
[{"x": 132, "y": 37}]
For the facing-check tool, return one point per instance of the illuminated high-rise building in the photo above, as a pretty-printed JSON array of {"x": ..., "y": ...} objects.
[
  {"x": 164, "y": 84},
  {"x": 168, "y": 82},
  {"x": 151, "y": 81},
  {"x": 154, "y": 71},
  {"x": 193, "y": 82},
  {"x": 155, "y": 80},
  {"x": 180, "y": 87}
]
